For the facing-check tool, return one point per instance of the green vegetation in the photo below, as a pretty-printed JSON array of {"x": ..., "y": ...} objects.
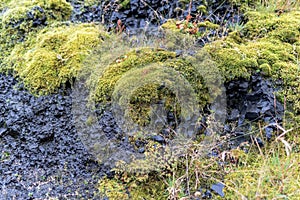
[
  {"x": 54, "y": 56},
  {"x": 125, "y": 4},
  {"x": 22, "y": 18},
  {"x": 50, "y": 54},
  {"x": 269, "y": 176},
  {"x": 268, "y": 43}
]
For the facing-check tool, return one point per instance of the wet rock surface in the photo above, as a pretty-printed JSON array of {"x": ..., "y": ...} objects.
[
  {"x": 41, "y": 153},
  {"x": 252, "y": 101}
]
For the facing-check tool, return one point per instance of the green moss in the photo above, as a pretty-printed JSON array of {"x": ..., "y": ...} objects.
[
  {"x": 133, "y": 187},
  {"x": 91, "y": 2},
  {"x": 208, "y": 24},
  {"x": 162, "y": 175},
  {"x": 270, "y": 44},
  {"x": 54, "y": 57},
  {"x": 170, "y": 25},
  {"x": 265, "y": 69},
  {"x": 131, "y": 60},
  {"x": 19, "y": 18},
  {"x": 269, "y": 25},
  {"x": 202, "y": 9},
  {"x": 125, "y": 4},
  {"x": 149, "y": 64}
]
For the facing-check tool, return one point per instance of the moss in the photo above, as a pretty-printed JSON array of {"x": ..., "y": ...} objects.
[
  {"x": 20, "y": 15},
  {"x": 148, "y": 64},
  {"x": 20, "y": 18},
  {"x": 89, "y": 3},
  {"x": 162, "y": 175},
  {"x": 125, "y": 4},
  {"x": 269, "y": 25},
  {"x": 270, "y": 44},
  {"x": 133, "y": 187},
  {"x": 208, "y": 24},
  {"x": 265, "y": 69},
  {"x": 170, "y": 25},
  {"x": 54, "y": 57},
  {"x": 113, "y": 189},
  {"x": 131, "y": 60}
]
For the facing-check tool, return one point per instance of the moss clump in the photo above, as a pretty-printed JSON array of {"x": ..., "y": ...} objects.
[
  {"x": 208, "y": 25},
  {"x": 115, "y": 71},
  {"x": 202, "y": 9},
  {"x": 149, "y": 69},
  {"x": 270, "y": 44},
  {"x": 20, "y": 18},
  {"x": 129, "y": 186},
  {"x": 54, "y": 57},
  {"x": 269, "y": 25},
  {"x": 89, "y": 3},
  {"x": 171, "y": 25}
]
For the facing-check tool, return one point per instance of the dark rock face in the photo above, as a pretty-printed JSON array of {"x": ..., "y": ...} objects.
[
  {"x": 41, "y": 155},
  {"x": 146, "y": 15},
  {"x": 252, "y": 101}
]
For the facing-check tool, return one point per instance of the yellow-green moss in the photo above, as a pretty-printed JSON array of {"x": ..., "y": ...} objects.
[
  {"x": 269, "y": 25},
  {"x": 170, "y": 25},
  {"x": 15, "y": 18},
  {"x": 54, "y": 56},
  {"x": 133, "y": 187},
  {"x": 270, "y": 44},
  {"x": 208, "y": 24},
  {"x": 91, "y": 2},
  {"x": 202, "y": 9},
  {"x": 19, "y": 19},
  {"x": 148, "y": 94},
  {"x": 125, "y": 4},
  {"x": 129, "y": 61}
]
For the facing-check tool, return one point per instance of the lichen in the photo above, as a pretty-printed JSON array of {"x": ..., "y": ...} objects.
[{"x": 54, "y": 56}]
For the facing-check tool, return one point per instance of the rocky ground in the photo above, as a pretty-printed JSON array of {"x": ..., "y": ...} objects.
[{"x": 42, "y": 156}]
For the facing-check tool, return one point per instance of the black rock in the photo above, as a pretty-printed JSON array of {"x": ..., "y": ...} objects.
[
  {"x": 218, "y": 188},
  {"x": 2, "y": 131},
  {"x": 158, "y": 138}
]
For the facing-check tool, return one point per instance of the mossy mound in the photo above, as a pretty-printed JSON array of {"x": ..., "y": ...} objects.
[
  {"x": 144, "y": 64},
  {"x": 268, "y": 43},
  {"x": 19, "y": 18},
  {"x": 54, "y": 56}
]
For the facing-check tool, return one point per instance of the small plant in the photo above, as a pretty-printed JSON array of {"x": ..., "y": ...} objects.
[{"x": 120, "y": 27}]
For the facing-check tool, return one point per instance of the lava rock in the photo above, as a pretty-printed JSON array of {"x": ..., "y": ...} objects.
[
  {"x": 158, "y": 138},
  {"x": 42, "y": 147}
]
